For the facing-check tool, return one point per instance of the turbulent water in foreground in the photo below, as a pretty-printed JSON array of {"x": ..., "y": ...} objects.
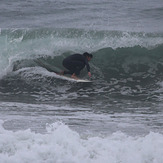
[{"x": 117, "y": 118}]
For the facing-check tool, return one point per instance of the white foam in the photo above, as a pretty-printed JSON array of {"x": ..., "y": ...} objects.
[{"x": 62, "y": 145}]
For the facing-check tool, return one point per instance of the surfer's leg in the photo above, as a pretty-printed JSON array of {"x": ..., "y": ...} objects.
[
  {"x": 67, "y": 72},
  {"x": 79, "y": 67},
  {"x": 73, "y": 66},
  {"x": 68, "y": 65}
]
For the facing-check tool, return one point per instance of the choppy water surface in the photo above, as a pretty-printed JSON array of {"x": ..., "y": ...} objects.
[{"x": 117, "y": 117}]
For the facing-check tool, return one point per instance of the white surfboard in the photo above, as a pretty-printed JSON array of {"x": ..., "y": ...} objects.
[
  {"x": 62, "y": 76},
  {"x": 73, "y": 80}
]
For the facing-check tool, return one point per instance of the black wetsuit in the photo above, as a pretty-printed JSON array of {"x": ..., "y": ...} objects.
[{"x": 75, "y": 63}]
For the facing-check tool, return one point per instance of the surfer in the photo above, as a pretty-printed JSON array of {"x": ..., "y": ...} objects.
[{"x": 75, "y": 63}]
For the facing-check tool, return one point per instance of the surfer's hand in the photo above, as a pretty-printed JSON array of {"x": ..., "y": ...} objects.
[{"x": 89, "y": 74}]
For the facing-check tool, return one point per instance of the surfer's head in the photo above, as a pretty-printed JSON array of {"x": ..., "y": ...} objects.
[{"x": 88, "y": 56}]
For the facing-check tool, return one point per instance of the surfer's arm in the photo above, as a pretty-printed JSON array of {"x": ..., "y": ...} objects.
[
  {"x": 88, "y": 67},
  {"x": 89, "y": 74}
]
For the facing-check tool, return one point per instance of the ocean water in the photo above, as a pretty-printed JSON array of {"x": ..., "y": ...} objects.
[{"x": 118, "y": 118}]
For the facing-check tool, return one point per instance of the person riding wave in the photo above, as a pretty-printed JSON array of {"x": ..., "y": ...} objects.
[{"x": 75, "y": 63}]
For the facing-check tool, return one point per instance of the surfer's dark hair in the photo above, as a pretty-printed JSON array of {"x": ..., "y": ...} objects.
[{"x": 86, "y": 54}]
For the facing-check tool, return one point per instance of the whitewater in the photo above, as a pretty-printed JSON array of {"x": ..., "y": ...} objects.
[{"x": 117, "y": 118}]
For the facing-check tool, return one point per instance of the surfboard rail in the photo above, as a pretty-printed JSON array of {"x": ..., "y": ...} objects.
[{"x": 74, "y": 80}]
